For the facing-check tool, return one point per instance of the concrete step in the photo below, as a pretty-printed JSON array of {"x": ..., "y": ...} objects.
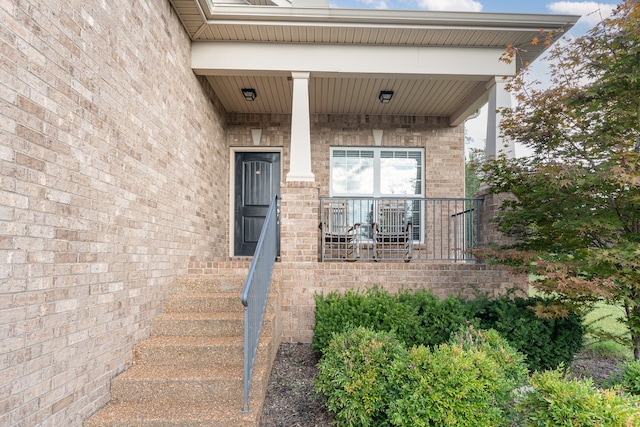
[
  {"x": 199, "y": 324},
  {"x": 201, "y": 302},
  {"x": 173, "y": 415},
  {"x": 190, "y": 351},
  {"x": 229, "y": 324},
  {"x": 181, "y": 384},
  {"x": 211, "y": 283},
  {"x": 190, "y": 372}
]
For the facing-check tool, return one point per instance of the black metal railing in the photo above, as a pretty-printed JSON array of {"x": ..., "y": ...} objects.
[
  {"x": 399, "y": 229},
  {"x": 256, "y": 291}
]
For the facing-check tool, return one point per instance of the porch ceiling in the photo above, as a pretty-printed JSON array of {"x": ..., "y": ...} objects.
[{"x": 423, "y": 93}]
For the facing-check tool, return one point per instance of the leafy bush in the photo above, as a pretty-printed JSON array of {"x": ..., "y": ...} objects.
[
  {"x": 554, "y": 400},
  {"x": 449, "y": 386},
  {"x": 420, "y": 318},
  {"x": 353, "y": 376},
  {"x": 415, "y": 318},
  {"x": 436, "y": 319},
  {"x": 510, "y": 361},
  {"x": 546, "y": 342},
  {"x": 369, "y": 378},
  {"x": 629, "y": 377}
]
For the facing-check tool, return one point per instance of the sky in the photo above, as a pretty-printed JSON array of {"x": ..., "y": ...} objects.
[
  {"x": 587, "y": 9},
  {"x": 591, "y": 13}
]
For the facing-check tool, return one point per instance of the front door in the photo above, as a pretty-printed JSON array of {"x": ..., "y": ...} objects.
[{"x": 257, "y": 177}]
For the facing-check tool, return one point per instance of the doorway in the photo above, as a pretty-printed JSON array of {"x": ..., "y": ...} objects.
[{"x": 257, "y": 180}]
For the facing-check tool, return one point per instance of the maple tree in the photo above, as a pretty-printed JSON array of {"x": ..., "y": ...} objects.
[{"x": 575, "y": 211}]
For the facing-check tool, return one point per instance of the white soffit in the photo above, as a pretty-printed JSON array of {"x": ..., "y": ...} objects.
[{"x": 437, "y": 63}]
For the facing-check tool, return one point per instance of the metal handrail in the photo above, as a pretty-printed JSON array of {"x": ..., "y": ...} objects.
[
  {"x": 256, "y": 290},
  {"x": 437, "y": 229}
]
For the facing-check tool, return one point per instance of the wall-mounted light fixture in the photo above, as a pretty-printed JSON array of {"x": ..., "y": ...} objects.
[
  {"x": 249, "y": 94},
  {"x": 385, "y": 96}
]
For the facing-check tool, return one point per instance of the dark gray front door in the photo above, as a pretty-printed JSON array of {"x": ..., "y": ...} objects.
[{"x": 257, "y": 181}]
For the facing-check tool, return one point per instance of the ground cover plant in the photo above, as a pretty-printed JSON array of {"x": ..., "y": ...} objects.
[
  {"x": 555, "y": 400},
  {"x": 628, "y": 378}
]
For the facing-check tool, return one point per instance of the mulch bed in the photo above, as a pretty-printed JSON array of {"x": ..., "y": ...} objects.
[{"x": 292, "y": 401}]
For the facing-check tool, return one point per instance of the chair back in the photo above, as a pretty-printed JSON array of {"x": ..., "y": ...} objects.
[
  {"x": 337, "y": 218},
  {"x": 392, "y": 216}
]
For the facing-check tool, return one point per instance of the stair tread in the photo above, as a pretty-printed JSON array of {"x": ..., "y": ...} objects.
[
  {"x": 203, "y": 316},
  {"x": 202, "y": 294},
  {"x": 134, "y": 413},
  {"x": 205, "y": 341},
  {"x": 180, "y": 372}
]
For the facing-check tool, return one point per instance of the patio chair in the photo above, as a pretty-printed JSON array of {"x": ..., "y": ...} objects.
[
  {"x": 339, "y": 239},
  {"x": 392, "y": 233}
]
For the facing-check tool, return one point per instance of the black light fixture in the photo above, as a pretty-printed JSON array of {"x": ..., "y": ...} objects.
[
  {"x": 385, "y": 96},
  {"x": 249, "y": 93}
]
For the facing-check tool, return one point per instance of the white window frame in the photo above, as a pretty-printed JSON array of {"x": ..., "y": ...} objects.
[
  {"x": 376, "y": 176},
  {"x": 376, "y": 171}
]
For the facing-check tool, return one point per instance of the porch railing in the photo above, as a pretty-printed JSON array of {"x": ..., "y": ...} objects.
[
  {"x": 255, "y": 293},
  {"x": 426, "y": 229}
]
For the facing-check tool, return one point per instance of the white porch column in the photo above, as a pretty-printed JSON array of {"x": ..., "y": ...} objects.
[
  {"x": 300, "y": 155},
  {"x": 499, "y": 97}
]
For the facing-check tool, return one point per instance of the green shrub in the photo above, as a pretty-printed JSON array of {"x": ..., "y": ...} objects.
[
  {"x": 415, "y": 317},
  {"x": 556, "y": 401},
  {"x": 511, "y": 362},
  {"x": 629, "y": 377},
  {"x": 436, "y": 319},
  {"x": 353, "y": 376},
  {"x": 373, "y": 308},
  {"x": 449, "y": 386},
  {"x": 420, "y": 318},
  {"x": 547, "y": 343}
]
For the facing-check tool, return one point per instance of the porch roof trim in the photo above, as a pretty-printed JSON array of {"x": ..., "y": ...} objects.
[{"x": 370, "y": 50}]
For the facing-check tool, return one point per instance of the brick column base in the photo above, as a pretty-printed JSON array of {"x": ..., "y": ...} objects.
[
  {"x": 299, "y": 219},
  {"x": 489, "y": 209}
]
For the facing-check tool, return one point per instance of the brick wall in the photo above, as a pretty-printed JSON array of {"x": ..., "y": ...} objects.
[
  {"x": 113, "y": 180},
  {"x": 113, "y": 166},
  {"x": 444, "y": 146},
  {"x": 299, "y": 282}
]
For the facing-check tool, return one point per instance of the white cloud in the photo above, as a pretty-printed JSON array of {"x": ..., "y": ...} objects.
[
  {"x": 451, "y": 5},
  {"x": 376, "y": 4},
  {"x": 592, "y": 12}
]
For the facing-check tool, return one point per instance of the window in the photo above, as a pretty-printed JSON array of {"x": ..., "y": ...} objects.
[
  {"x": 370, "y": 173},
  {"x": 376, "y": 172}
]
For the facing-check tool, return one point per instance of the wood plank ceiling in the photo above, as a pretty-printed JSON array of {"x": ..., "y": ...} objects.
[{"x": 358, "y": 94}]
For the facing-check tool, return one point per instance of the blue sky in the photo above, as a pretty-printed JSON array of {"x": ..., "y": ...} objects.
[
  {"x": 591, "y": 11},
  {"x": 507, "y": 6}
]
